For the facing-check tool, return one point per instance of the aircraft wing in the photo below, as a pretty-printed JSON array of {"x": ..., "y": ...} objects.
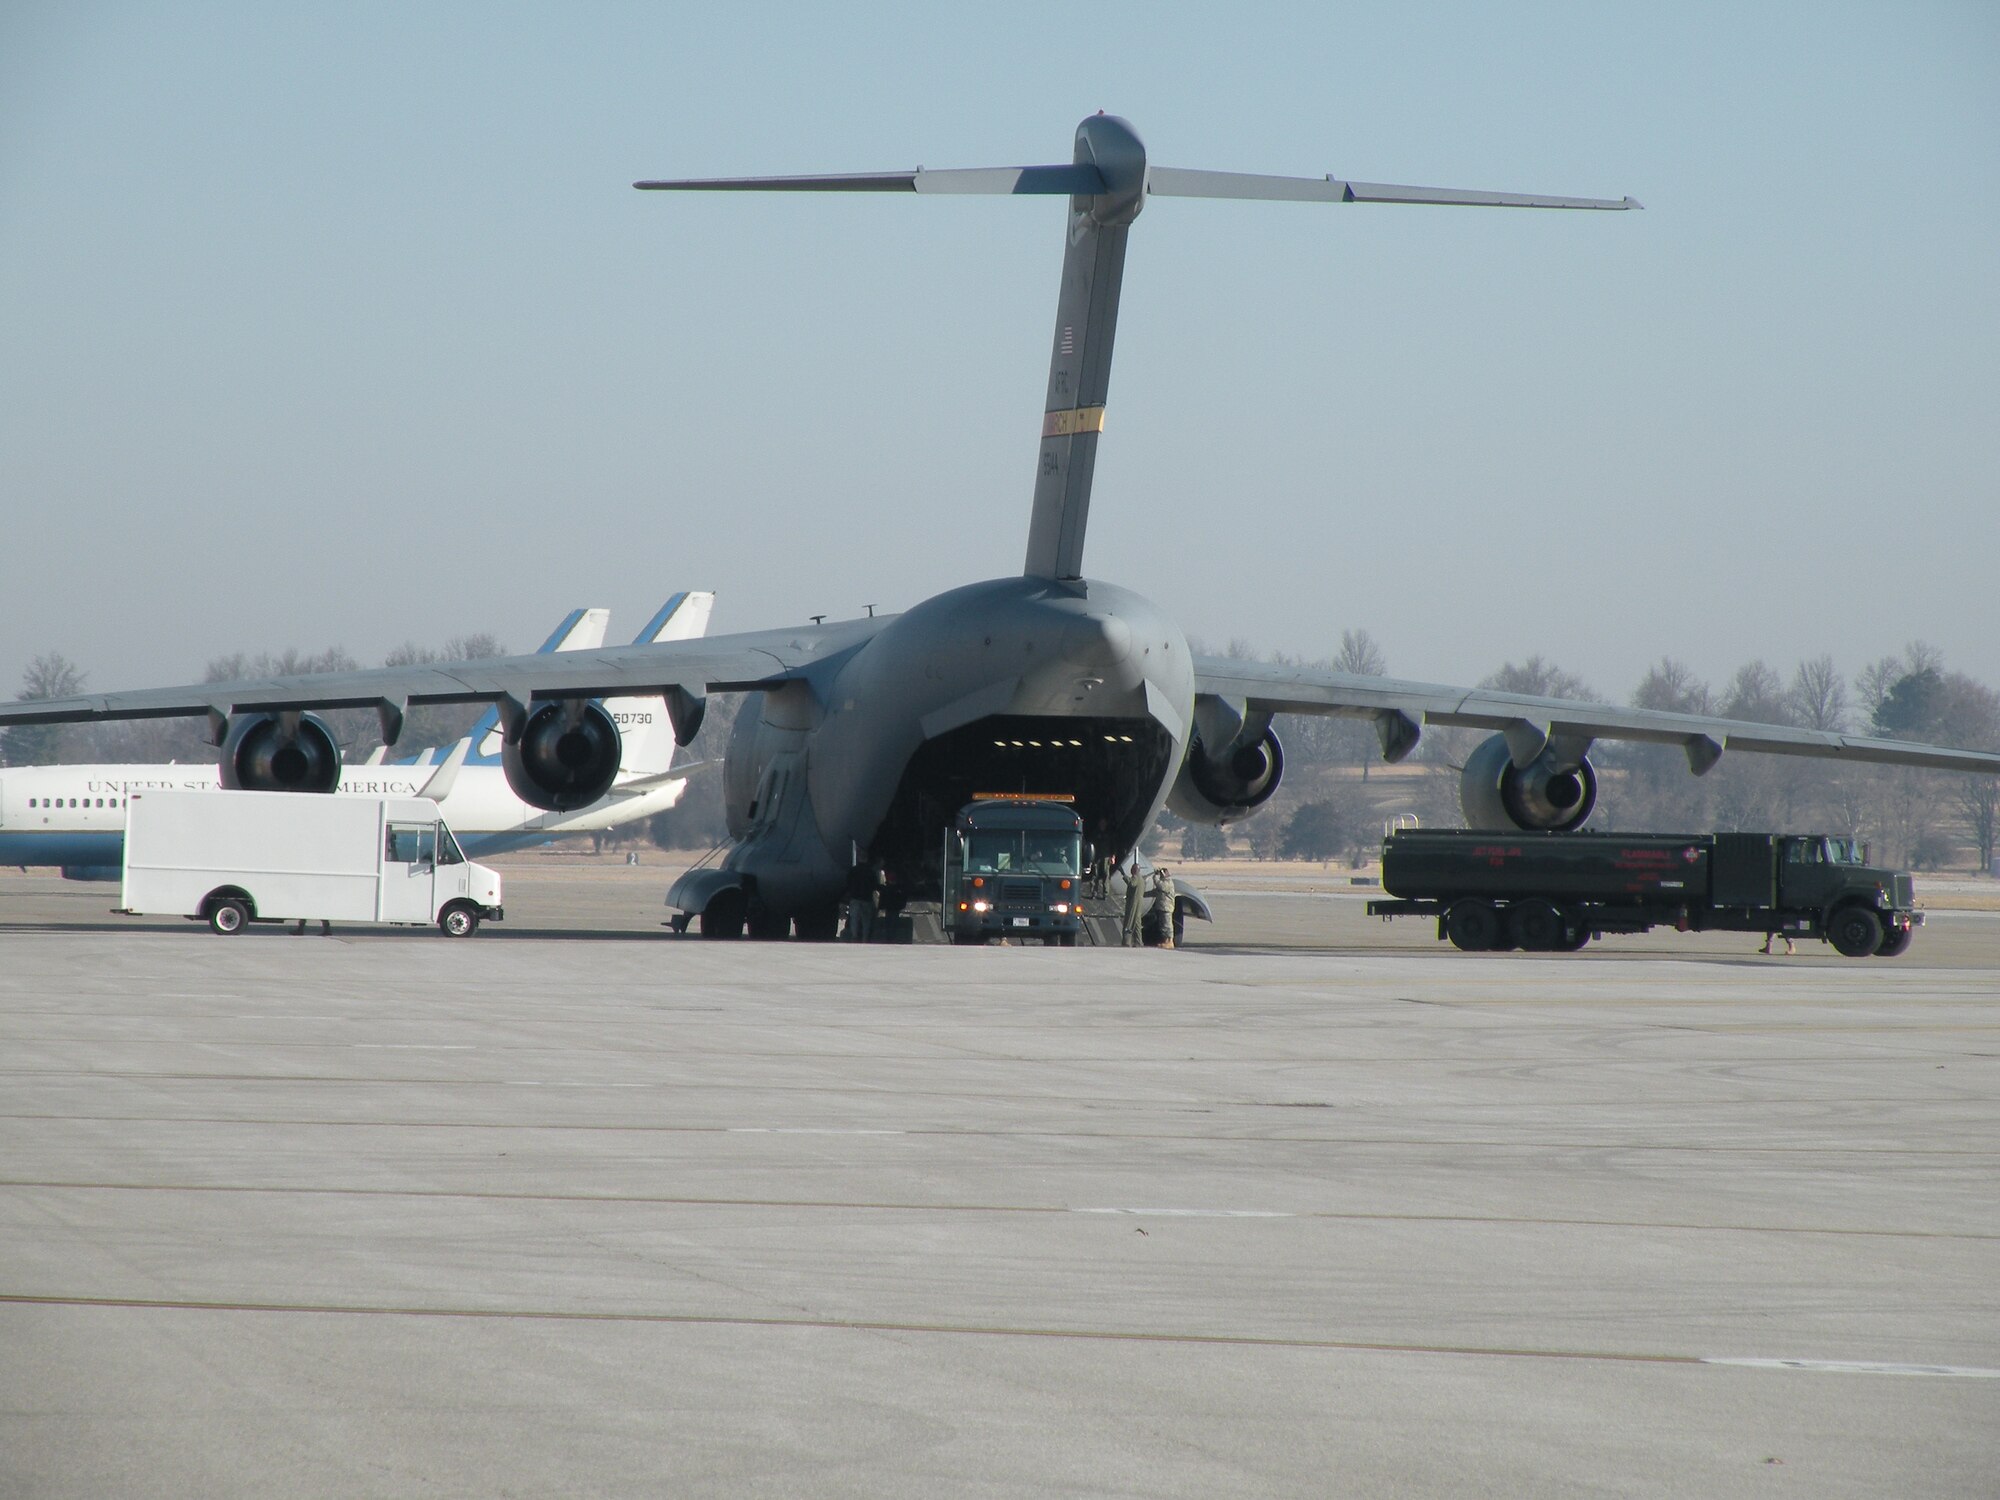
[
  {"x": 1400, "y": 708},
  {"x": 640, "y": 786},
  {"x": 721, "y": 663}
]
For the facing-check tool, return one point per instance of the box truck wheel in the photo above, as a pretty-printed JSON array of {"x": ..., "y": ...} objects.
[
  {"x": 459, "y": 919},
  {"x": 228, "y": 915},
  {"x": 1854, "y": 931}
]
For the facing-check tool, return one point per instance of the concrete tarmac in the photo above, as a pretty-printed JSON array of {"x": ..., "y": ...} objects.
[{"x": 578, "y": 1208}]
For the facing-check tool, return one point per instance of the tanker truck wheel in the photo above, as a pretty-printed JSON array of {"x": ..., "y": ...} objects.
[
  {"x": 1536, "y": 926},
  {"x": 1473, "y": 926},
  {"x": 1854, "y": 931},
  {"x": 1896, "y": 940}
]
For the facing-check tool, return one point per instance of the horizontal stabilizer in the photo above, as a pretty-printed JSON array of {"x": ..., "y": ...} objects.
[
  {"x": 1058, "y": 181},
  {"x": 1182, "y": 182},
  {"x": 1084, "y": 180}
]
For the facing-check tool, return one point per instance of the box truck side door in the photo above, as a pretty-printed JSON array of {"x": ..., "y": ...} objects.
[
  {"x": 409, "y": 865},
  {"x": 452, "y": 878}
]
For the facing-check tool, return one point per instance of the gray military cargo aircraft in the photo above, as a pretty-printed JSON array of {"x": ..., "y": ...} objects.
[{"x": 862, "y": 738}]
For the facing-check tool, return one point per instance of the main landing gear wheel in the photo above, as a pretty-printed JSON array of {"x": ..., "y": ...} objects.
[
  {"x": 769, "y": 926},
  {"x": 458, "y": 921},
  {"x": 228, "y": 917},
  {"x": 1855, "y": 931},
  {"x": 819, "y": 925},
  {"x": 723, "y": 917},
  {"x": 1473, "y": 926}
]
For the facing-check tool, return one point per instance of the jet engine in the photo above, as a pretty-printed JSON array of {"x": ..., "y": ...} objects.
[
  {"x": 565, "y": 755},
  {"x": 282, "y": 752},
  {"x": 1220, "y": 788},
  {"x": 1555, "y": 791}
]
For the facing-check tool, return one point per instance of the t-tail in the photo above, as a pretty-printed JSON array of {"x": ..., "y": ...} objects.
[
  {"x": 1107, "y": 183},
  {"x": 644, "y": 729},
  {"x": 581, "y": 630}
]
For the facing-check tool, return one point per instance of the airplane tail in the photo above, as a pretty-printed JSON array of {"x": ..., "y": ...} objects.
[
  {"x": 581, "y": 630},
  {"x": 642, "y": 722},
  {"x": 1107, "y": 183}
]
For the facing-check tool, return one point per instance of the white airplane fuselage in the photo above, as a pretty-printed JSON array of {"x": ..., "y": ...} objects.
[{"x": 74, "y": 815}]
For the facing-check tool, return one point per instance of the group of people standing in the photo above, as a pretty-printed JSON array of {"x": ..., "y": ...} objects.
[{"x": 1164, "y": 894}]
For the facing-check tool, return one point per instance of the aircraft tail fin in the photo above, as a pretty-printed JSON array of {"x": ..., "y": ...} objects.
[
  {"x": 642, "y": 722},
  {"x": 1107, "y": 184},
  {"x": 445, "y": 777}
]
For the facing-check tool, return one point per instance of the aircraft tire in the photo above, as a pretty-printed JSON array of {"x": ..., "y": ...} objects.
[
  {"x": 819, "y": 925},
  {"x": 1854, "y": 931},
  {"x": 767, "y": 926},
  {"x": 723, "y": 917}
]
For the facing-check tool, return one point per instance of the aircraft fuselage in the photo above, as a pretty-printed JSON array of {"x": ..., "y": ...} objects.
[{"x": 1016, "y": 684}]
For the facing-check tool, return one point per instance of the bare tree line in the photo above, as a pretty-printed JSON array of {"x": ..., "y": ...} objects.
[
  {"x": 159, "y": 741},
  {"x": 1329, "y": 807}
]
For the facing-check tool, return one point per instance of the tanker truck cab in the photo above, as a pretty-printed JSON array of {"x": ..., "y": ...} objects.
[
  {"x": 1861, "y": 909},
  {"x": 1014, "y": 868}
]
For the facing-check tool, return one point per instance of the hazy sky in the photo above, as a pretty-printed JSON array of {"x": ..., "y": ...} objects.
[{"x": 341, "y": 324}]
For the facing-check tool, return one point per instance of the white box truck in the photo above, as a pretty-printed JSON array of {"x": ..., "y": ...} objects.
[{"x": 232, "y": 858}]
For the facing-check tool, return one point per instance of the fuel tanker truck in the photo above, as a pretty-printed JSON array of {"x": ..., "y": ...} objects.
[{"x": 1553, "y": 892}]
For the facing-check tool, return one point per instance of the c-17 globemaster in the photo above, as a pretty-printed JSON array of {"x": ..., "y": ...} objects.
[{"x": 862, "y": 738}]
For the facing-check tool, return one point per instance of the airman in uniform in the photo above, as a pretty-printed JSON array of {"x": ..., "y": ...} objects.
[
  {"x": 1134, "y": 905},
  {"x": 1164, "y": 896}
]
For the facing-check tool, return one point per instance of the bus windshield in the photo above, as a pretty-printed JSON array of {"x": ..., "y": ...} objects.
[{"x": 1023, "y": 851}]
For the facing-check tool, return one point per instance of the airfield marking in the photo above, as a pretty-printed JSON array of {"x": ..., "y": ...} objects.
[
  {"x": 1463, "y": 1143},
  {"x": 1856, "y": 1367},
  {"x": 887, "y": 1206},
  {"x": 991, "y": 1330}
]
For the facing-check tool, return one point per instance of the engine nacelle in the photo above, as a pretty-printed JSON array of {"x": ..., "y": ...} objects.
[
  {"x": 1221, "y": 789},
  {"x": 281, "y": 752},
  {"x": 565, "y": 757},
  {"x": 1554, "y": 792}
]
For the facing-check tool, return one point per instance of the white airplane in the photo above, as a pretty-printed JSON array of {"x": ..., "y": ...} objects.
[{"x": 73, "y": 816}]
